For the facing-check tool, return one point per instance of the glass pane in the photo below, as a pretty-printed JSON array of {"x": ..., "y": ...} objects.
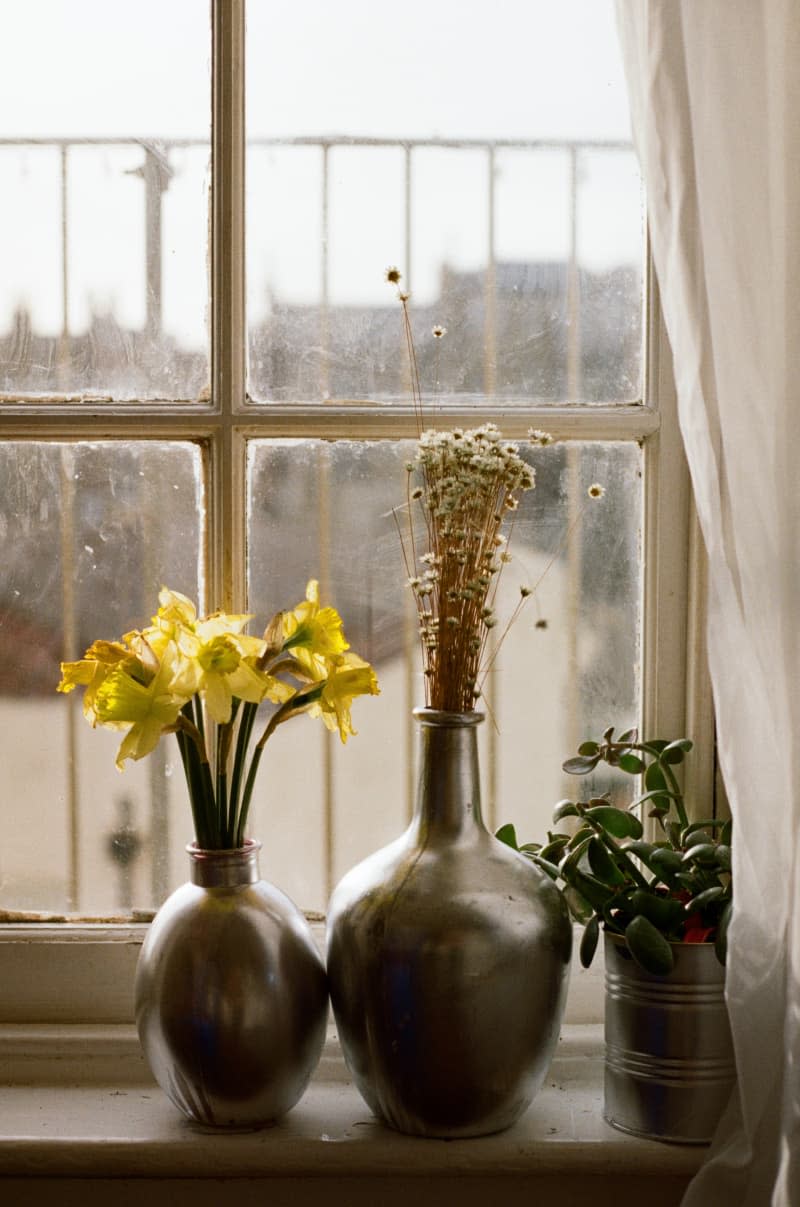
[
  {"x": 104, "y": 171},
  {"x": 568, "y": 668},
  {"x": 486, "y": 151},
  {"x": 88, "y": 534}
]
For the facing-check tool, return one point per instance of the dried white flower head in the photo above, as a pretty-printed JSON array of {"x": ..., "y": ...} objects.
[
  {"x": 538, "y": 437},
  {"x": 437, "y": 332},
  {"x": 470, "y": 481},
  {"x": 596, "y": 491},
  {"x": 393, "y": 275}
]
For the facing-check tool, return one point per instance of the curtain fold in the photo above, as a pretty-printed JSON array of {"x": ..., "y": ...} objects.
[{"x": 715, "y": 100}]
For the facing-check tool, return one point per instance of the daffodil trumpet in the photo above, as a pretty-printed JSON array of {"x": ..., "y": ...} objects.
[{"x": 204, "y": 680}]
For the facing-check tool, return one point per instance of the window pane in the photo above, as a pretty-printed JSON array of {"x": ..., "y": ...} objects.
[
  {"x": 485, "y": 150},
  {"x": 568, "y": 668},
  {"x": 104, "y": 199},
  {"x": 88, "y": 534}
]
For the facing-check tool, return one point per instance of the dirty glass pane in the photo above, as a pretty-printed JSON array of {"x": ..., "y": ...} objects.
[
  {"x": 104, "y": 174},
  {"x": 568, "y": 668},
  {"x": 485, "y": 150},
  {"x": 88, "y": 534}
]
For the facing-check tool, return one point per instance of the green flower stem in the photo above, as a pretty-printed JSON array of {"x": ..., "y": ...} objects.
[
  {"x": 297, "y": 704},
  {"x": 221, "y": 785},
  {"x": 274, "y": 722},
  {"x": 246, "y": 722},
  {"x": 209, "y": 804},
  {"x": 191, "y": 767},
  {"x": 199, "y": 781},
  {"x": 227, "y": 730}
]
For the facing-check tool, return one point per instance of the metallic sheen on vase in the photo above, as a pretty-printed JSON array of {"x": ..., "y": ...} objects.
[
  {"x": 670, "y": 1065},
  {"x": 231, "y": 995},
  {"x": 448, "y": 958}
]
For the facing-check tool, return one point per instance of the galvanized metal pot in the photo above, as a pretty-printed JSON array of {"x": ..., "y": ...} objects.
[
  {"x": 448, "y": 956},
  {"x": 669, "y": 1067},
  {"x": 231, "y": 995}
]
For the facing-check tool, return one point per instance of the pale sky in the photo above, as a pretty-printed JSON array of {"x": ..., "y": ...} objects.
[{"x": 456, "y": 68}]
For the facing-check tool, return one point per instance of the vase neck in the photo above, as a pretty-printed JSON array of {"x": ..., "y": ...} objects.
[
  {"x": 449, "y": 791},
  {"x": 224, "y": 869}
]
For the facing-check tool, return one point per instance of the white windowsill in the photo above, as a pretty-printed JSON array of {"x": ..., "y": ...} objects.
[
  {"x": 81, "y": 1118},
  {"x": 328, "y": 1149}
]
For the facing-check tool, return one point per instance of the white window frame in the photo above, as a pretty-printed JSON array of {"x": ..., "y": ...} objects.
[{"x": 56, "y": 980}]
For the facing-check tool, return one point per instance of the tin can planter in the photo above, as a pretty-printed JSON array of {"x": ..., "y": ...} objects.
[
  {"x": 448, "y": 956},
  {"x": 669, "y": 1066},
  {"x": 231, "y": 995}
]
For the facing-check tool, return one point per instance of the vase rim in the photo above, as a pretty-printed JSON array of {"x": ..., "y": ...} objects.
[
  {"x": 224, "y": 868},
  {"x": 445, "y": 719},
  {"x": 250, "y": 846}
]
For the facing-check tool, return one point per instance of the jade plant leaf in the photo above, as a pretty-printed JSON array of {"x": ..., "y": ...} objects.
[
  {"x": 704, "y": 899},
  {"x": 508, "y": 835},
  {"x": 654, "y": 782},
  {"x": 581, "y": 764},
  {"x": 565, "y": 808},
  {"x": 579, "y": 907},
  {"x": 554, "y": 850},
  {"x": 667, "y": 862},
  {"x": 631, "y": 763},
  {"x": 589, "y": 940},
  {"x": 617, "y": 822},
  {"x": 664, "y": 912},
  {"x": 721, "y": 942},
  {"x": 649, "y": 948},
  {"x": 704, "y": 853},
  {"x": 674, "y": 752},
  {"x": 602, "y": 865},
  {"x": 593, "y": 890},
  {"x": 724, "y": 856},
  {"x": 550, "y": 868}
]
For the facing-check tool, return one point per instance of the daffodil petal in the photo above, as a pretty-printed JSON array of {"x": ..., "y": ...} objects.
[{"x": 216, "y": 692}]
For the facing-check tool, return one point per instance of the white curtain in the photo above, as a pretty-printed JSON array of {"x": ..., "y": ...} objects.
[{"x": 715, "y": 93}]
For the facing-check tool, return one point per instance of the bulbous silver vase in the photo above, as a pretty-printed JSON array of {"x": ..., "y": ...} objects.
[
  {"x": 448, "y": 958},
  {"x": 231, "y": 995}
]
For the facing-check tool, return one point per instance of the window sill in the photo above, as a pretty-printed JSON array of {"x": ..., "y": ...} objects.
[{"x": 74, "y": 1138}]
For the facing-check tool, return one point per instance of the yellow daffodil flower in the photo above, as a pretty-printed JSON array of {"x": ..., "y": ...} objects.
[
  {"x": 91, "y": 671},
  {"x": 176, "y": 620},
  {"x": 312, "y": 633},
  {"x": 148, "y": 708},
  {"x": 219, "y": 670},
  {"x": 349, "y": 677},
  {"x": 175, "y": 610}
]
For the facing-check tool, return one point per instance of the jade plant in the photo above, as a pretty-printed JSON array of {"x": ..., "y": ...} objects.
[{"x": 675, "y": 888}]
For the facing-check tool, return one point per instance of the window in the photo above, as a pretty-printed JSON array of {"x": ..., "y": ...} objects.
[{"x": 168, "y": 417}]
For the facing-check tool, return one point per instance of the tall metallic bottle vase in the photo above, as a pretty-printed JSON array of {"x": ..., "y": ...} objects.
[
  {"x": 448, "y": 956},
  {"x": 231, "y": 995}
]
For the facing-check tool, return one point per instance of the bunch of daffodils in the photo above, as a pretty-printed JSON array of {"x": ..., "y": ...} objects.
[
  {"x": 203, "y": 679},
  {"x": 469, "y": 485}
]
